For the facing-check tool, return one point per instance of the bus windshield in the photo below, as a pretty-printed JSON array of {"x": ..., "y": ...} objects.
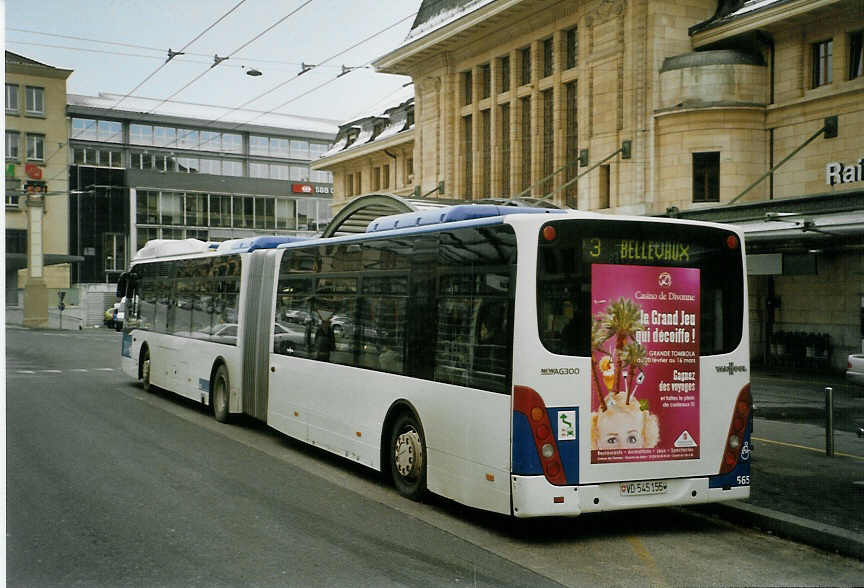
[{"x": 574, "y": 254}]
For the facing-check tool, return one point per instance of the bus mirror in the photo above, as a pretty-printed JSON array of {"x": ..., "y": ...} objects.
[
  {"x": 122, "y": 281},
  {"x": 126, "y": 285}
]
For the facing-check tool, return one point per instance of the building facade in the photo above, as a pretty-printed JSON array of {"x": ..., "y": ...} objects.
[
  {"x": 36, "y": 201},
  {"x": 142, "y": 170},
  {"x": 663, "y": 107},
  {"x": 374, "y": 152}
]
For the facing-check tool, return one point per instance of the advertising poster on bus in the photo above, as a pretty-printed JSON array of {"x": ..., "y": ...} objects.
[{"x": 645, "y": 363}]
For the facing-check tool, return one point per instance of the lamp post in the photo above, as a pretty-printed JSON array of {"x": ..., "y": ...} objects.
[{"x": 35, "y": 292}]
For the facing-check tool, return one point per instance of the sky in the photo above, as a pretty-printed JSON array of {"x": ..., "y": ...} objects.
[{"x": 119, "y": 43}]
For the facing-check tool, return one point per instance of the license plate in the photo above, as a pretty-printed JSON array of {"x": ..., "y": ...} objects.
[{"x": 643, "y": 488}]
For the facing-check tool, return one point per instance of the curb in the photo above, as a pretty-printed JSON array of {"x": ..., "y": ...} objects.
[{"x": 815, "y": 534}]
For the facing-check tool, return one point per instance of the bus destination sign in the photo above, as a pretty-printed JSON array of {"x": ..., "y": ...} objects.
[{"x": 643, "y": 251}]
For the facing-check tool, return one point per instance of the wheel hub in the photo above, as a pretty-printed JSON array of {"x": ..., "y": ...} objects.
[{"x": 408, "y": 454}]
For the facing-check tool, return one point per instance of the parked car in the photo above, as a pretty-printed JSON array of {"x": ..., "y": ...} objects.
[
  {"x": 110, "y": 317},
  {"x": 855, "y": 369},
  {"x": 113, "y": 317}
]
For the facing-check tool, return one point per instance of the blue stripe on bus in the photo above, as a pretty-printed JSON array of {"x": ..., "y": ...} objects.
[
  {"x": 568, "y": 450},
  {"x": 526, "y": 462},
  {"x": 126, "y": 345}
]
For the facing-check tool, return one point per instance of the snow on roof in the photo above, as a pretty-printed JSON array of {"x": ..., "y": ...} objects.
[
  {"x": 392, "y": 100},
  {"x": 428, "y": 20},
  {"x": 732, "y": 11},
  {"x": 226, "y": 116},
  {"x": 751, "y": 6}
]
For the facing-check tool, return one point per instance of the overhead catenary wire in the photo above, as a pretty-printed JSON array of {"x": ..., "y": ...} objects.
[
  {"x": 159, "y": 51},
  {"x": 106, "y": 52},
  {"x": 158, "y": 69},
  {"x": 217, "y": 60},
  {"x": 318, "y": 87}
]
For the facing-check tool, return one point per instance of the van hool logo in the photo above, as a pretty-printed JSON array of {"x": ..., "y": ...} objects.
[{"x": 730, "y": 368}]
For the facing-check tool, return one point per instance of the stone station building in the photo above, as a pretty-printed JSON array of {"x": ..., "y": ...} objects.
[{"x": 654, "y": 107}]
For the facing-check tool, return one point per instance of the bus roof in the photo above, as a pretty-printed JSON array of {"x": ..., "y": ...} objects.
[
  {"x": 254, "y": 243},
  {"x": 451, "y": 214},
  {"x": 156, "y": 248}
]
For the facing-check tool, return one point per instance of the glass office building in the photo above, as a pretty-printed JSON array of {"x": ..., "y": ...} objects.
[{"x": 142, "y": 170}]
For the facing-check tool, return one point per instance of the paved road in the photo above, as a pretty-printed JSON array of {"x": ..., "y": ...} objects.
[{"x": 108, "y": 486}]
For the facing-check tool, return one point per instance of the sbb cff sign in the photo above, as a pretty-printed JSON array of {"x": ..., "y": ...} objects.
[{"x": 302, "y": 188}]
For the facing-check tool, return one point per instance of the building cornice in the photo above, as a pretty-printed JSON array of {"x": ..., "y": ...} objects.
[
  {"x": 42, "y": 71},
  {"x": 221, "y": 125},
  {"x": 757, "y": 20},
  {"x": 390, "y": 62},
  {"x": 353, "y": 153}
]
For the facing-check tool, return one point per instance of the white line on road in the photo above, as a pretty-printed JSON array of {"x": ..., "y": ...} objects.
[{"x": 71, "y": 370}]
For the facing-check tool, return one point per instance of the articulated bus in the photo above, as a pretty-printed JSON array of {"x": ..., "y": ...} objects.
[{"x": 526, "y": 361}]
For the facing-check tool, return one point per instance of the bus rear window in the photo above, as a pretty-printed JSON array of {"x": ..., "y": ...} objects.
[{"x": 572, "y": 251}]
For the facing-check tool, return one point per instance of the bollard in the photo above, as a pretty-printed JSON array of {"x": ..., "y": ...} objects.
[{"x": 829, "y": 421}]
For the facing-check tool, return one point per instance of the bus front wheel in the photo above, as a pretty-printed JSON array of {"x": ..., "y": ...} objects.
[
  {"x": 146, "y": 366},
  {"x": 221, "y": 391},
  {"x": 408, "y": 456}
]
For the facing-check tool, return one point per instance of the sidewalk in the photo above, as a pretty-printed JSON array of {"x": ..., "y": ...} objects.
[
  {"x": 69, "y": 320},
  {"x": 798, "y": 492}
]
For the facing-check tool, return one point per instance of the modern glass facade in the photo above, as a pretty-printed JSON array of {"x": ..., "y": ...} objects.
[{"x": 133, "y": 180}]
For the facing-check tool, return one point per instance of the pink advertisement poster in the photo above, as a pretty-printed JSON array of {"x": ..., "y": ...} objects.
[{"x": 645, "y": 363}]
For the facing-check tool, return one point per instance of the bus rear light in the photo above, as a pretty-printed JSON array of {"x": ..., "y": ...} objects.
[
  {"x": 737, "y": 431},
  {"x": 732, "y": 242},
  {"x": 549, "y": 233},
  {"x": 527, "y": 402}
]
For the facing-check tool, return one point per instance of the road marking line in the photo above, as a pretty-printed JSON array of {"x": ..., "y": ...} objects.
[
  {"x": 650, "y": 563},
  {"x": 103, "y": 369},
  {"x": 861, "y": 457},
  {"x": 25, "y": 372},
  {"x": 50, "y": 371}
]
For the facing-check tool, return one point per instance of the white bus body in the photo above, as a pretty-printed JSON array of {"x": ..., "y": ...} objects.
[{"x": 475, "y": 445}]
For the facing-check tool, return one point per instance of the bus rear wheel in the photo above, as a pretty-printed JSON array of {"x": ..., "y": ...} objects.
[
  {"x": 221, "y": 390},
  {"x": 408, "y": 456}
]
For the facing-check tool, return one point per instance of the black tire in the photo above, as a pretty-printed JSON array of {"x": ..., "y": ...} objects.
[
  {"x": 221, "y": 387},
  {"x": 407, "y": 456},
  {"x": 146, "y": 368}
]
